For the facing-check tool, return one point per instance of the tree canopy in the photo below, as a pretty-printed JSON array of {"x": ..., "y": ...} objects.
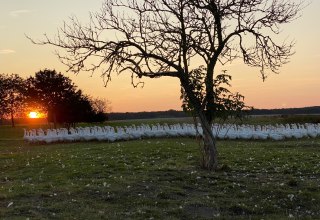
[
  {"x": 12, "y": 95},
  {"x": 60, "y": 98}
]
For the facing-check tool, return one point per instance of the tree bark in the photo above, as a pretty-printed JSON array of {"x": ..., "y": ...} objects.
[
  {"x": 12, "y": 119},
  {"x": 52, "y": 117},
  {"x": 54, "y": 120},
  {"x": 209, "y": 153}
]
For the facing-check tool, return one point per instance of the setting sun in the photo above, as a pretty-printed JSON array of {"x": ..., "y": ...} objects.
[{"x": 33, "y": 115}]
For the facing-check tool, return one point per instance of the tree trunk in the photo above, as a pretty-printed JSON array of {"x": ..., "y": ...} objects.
[
  {"x": 12, "y": 119},
  {"x": 54, "y": 120},
  {"x": 209, "y": 153}
]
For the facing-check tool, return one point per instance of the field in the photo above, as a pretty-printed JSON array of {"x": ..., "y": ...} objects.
[{"x": 158, "y": 179}]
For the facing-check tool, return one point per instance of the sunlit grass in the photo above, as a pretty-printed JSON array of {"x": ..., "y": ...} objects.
[{"x": 158, "y": 178}]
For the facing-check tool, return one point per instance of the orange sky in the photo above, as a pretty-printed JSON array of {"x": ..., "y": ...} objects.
[{"x": 297, "y": 85}]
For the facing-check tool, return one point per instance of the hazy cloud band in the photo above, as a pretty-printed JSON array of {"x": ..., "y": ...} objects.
[
  {"x": 7, "y": 51},
  {"x": 17, "y": 13}
]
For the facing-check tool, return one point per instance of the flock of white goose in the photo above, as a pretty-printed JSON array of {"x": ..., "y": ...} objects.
[{"x": 226, "y": 131}]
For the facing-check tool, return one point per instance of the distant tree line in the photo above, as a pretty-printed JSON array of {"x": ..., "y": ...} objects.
[
  {"x": 285, "y": 112},
  {"x": 50, "y": 92},
  {"x": 147, "y": 115}
]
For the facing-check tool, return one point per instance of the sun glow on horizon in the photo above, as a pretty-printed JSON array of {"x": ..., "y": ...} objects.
[{"x": 34, "y": 115}]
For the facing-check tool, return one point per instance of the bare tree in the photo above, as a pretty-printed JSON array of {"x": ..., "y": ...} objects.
[
  {"x": 101, "y": 105},
  {"x": 157, "y": 38}
]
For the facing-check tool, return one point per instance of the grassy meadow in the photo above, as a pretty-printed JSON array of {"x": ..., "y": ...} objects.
[{"x": 158, "y": 179}]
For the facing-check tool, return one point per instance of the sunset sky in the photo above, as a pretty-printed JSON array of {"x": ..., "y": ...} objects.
[{"x": 297, "y": 85}]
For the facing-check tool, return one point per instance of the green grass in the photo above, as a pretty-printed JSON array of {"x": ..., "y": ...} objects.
[
  {"x": 158, "y": 179},
  {"x": 255, "y": 120},
  {"x": 283, "y": 119}
]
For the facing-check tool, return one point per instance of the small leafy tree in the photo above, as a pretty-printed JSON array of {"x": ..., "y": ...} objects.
[
  {"x": 2, "y": 96},
  {"x": 227, "y": 104},
  {"x": 61, "y": 99},
  {"x": 74, "y": 108},
  {"x": 12, "y": 94},
  {"x": 101, "y": 107},
  {"x": 49, "y": 89}
]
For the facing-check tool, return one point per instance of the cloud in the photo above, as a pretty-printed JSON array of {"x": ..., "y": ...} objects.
[
  {"x": 7, "y": 51},
  {"x": 17, "y": 13}
]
